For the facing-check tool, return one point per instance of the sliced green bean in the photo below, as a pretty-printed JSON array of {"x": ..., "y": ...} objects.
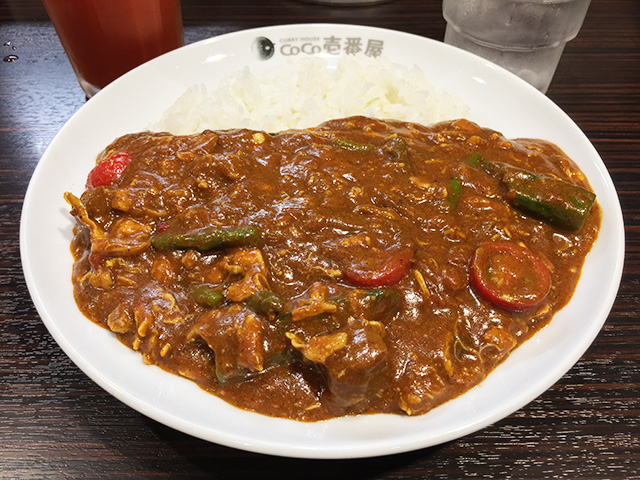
[
  {"x": 351, "y": 145},
  {"x": 206, "y": 296},
  {"x": 205, "y": 239},
  {"x": 455, "y": 189},
  {"x": 553, "y": 200},
  {"x": 265, "y": 302}
]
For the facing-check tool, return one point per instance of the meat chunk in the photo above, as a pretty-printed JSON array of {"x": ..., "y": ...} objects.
[
  {"x": 354, "y": 360},
  {"x": 419, "y": 389},
  {"x": 238, "y": 338}
]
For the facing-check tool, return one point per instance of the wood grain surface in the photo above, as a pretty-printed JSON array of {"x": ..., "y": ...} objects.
[{"x": 55, "y": 423}]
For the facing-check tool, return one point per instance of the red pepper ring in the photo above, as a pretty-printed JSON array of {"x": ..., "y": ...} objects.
[
  {"x": 509, "y": 275},
  {"x": 390, "y": 272},
  {"x": 108, "y": 171}
]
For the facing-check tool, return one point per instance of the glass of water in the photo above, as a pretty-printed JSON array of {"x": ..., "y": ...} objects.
[{"x": 526, "y": 37}]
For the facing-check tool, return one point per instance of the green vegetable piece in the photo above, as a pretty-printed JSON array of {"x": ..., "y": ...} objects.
[
  {"x": 205, "y": 239},
  {"x": 265, "y": 302},
  {"x": 351, "y": 145},
  {"x": 455, "y": 188},
  {"x": 283, "y": 322},
  {"x": 340, "y": 301},
  {"x": 553, "y": 200},
  {"x": 559, "y": 203},
  {"x": 381, "y": 294},
  {"x": 475, "y": 159},
  {"x": 206, "y": 296},
  {"x": 385, "y": 301}
]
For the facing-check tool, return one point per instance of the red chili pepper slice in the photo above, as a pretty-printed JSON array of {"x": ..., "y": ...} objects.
[
  {"x": 509, "y": 275},
  {"x": 391, "y": 271},
  {"x": 108, "y": 171}
]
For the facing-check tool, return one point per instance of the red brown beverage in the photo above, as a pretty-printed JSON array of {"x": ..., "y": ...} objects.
[{"x": 106, "y": 38}]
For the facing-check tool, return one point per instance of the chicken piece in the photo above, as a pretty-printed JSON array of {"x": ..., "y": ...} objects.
[
  {"x": 319, "y": 347},
  {"x": 119, "y": 320},
  {"x": 251, "y": 265},
  {"x": 311, "y": 308},
  {"x": 315, "y": 305},
  {"x": 126, "y": 237}
]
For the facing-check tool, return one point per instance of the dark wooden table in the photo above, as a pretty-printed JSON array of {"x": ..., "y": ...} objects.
[{"x": 56, "y": 423}]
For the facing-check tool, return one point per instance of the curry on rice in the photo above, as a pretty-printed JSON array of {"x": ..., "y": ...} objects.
[{"x": 362, "y": 266}]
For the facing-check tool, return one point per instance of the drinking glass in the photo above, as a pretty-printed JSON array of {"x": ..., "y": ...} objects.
[
  {"x": 104, "y": 39},
  {"x": 526, "y": 37}
]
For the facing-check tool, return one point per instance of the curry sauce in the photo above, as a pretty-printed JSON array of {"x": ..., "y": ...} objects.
[{"x": 362, "y": 266}]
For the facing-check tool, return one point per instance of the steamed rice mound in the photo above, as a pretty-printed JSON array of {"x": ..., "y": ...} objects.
[{"x": 307, "y": 92}]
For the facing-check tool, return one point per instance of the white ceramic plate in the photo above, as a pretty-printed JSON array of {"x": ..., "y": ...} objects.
[{"x": 497, "y": 99}]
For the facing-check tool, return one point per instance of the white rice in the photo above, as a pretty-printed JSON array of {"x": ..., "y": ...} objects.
[{"x": 307, "y": 92}]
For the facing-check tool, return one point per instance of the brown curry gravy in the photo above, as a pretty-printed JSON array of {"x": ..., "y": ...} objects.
[{"x": 334, "y": 348}]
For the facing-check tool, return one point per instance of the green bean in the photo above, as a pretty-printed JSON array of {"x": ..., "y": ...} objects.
[
  {"x": 351, "y": 145},
  {"x": 205, "y": 239},
  {"x": 206, "y": 296},
  {"x": 455, "y": 188},
  {"x": 553, "y": 200},
  {"x": 265, "y": 302}
]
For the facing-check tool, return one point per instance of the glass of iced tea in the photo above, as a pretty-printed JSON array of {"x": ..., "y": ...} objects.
[{"x": 106, "y": 38}]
